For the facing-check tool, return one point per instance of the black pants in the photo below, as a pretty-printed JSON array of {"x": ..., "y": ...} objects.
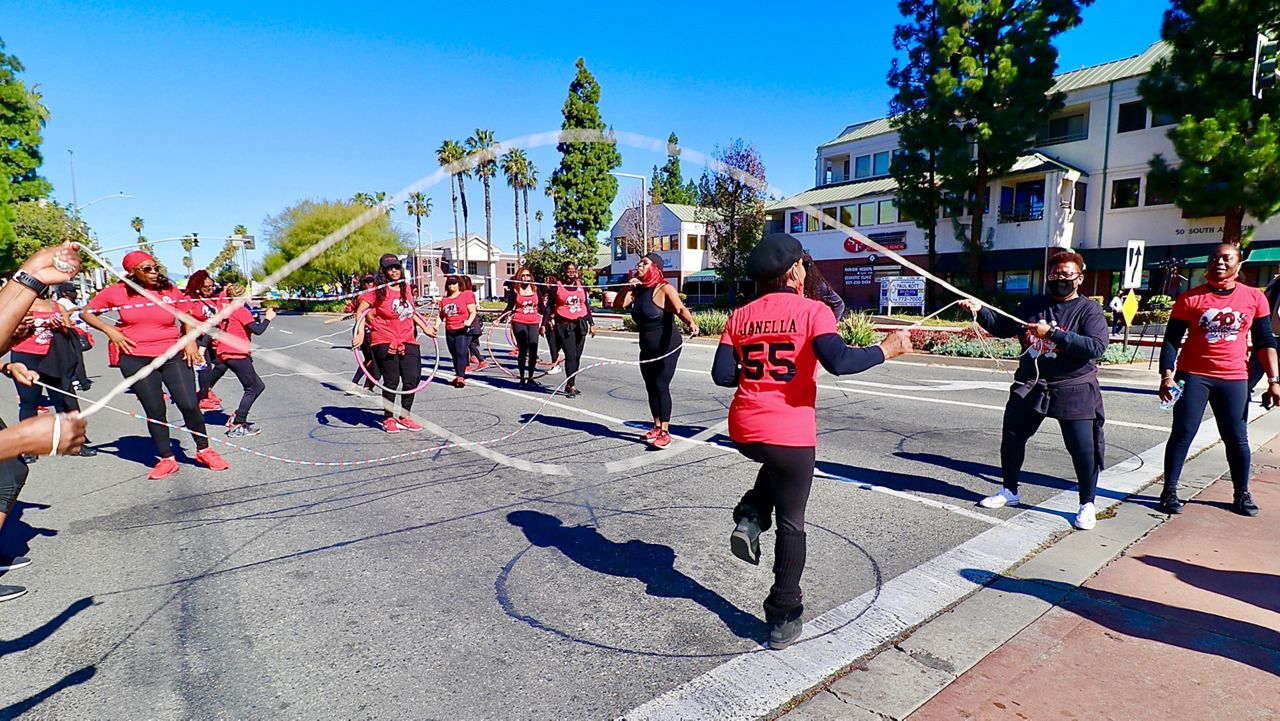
[
  {"x": 657, "y": 377},
  {"x": 1230, "y": 403},
  {"x": 782, "y": 487},
  {"x": 29, "y": 396},
  {"x": 366, "y": 353},
  {"x": 249, "y": 382},
  {"x": 213, "y": 369},
  {"x": 473, "y": 347},
  {"x": 403, "y": 371},
  {"x": 176, "y": 377},
  {"x": 553, "y": 344},
  {"x": 526, "y": 335},
  {"x": 459, "y": 342},
  {"x": 1021, "y": 423},
  {"x": 572, "y": 335}
]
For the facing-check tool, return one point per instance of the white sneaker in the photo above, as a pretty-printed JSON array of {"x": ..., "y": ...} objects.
[
  {"x": 353, "y": 390},
  {"x": 1000, "y": 500},
  {"x": 1086, "y": 518},
  {"x": 553, "y": 370}
]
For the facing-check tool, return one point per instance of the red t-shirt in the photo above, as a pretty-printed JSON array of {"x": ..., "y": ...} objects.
[
  {"x": 571, "y": 304},
  {"x": 391, "y": 320},
  {"x": 454, "y": 310},
  {"x": 772, "y": 337},
  {"x": 38, "y": 342},
  {"x": 526, "y": 310},
  {"x": 1218, "y": 330},
  {"x": 234, "y": 341},
  {"x": 150, "y": 326}
]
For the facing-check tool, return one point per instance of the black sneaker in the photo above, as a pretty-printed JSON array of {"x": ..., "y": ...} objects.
[
  {"x": 28, "y": 458},
  {"x": 85, "y": 452},
  {"x": 1243, "y": 504},
  {"x": 785, "y": 633},
  {"x": 243, "y": 430},
  {"x": 13, "y": 563},
  {"x": 1169, "y": 503},
  {"x": 8, "y": 593},
  {"x": 745, "y": 541}
]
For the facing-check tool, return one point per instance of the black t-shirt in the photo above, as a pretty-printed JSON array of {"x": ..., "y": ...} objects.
[{"x": 1072, "y": 349}]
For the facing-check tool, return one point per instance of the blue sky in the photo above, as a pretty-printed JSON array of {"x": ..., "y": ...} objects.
[{"x": 213, "y": 114}]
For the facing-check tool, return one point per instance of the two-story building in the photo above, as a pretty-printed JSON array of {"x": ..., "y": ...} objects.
[
  {"x": 676, "y": 234},
  {"x": 446, "y": 257},
  {"x": 1083, "y": 187}
]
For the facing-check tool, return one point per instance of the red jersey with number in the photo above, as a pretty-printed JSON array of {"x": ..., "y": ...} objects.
[
  {"x": 571, "y": 303},
  {"x": 391, "y": 321},
  {"x": 234, "y": 340},
  {"x": 526, "y": 310},
  {"x": 151, "y": 326},
  {"x": 38, "y": 342},
  {"x": 772, "y": 338},
  {"x": 1218, "y": 330},
  {"x": 454, "y": 310}
]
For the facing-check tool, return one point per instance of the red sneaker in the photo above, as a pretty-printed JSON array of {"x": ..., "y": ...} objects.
[
  {"x": 214, "y": 396},
  {"x": 164, "y": 467},
  {"x": 458, "y": 381},
  {"x": 652, "y": 434},
  {"x": 210, "y": 404},
  {"x": 209, "y": 457},
  {"x": 482, "y": 365},
  {"x": 662, "y": 440},
  {"x": 408, "y": 424},
  {"x": 390, "y": 426}
]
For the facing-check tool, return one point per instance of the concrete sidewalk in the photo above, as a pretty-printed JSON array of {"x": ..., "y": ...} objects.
[{"x": 1184, "y": 625}]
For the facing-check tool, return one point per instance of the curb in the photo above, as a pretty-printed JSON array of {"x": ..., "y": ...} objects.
[{"x": 893, "y": 682}]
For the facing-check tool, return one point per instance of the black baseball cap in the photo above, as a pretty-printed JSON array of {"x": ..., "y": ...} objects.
[
  {"x": 389, "y": 260},
  {"x": 773, "y": 255}
]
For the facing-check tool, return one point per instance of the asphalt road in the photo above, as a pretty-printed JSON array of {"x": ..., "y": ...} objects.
[{"x": 457, "y": 583}]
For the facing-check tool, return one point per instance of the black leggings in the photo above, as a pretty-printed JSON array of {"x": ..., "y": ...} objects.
[
  {"x": 782, "y": 486},
  {"x": 572, "y": 335},
  {"x": 459, "y": 342},
  {"x": 1230, "y": 403},
  {"x": 553, "y": 344},
  {"x": 176, "y": 377},
  {"x": 657, "y": 377},
  {"x": 1021, "y": 423},
  {"x": 249, "y": 381},
  {"x": 526, "y": 335},
  {"x": 366, "y": 353},
  {"x": 211, "y": 373},
  {"x": 402, "y": 371},
  {"x": 29, "y": 396},
  {"x": 474, "y": 347}
]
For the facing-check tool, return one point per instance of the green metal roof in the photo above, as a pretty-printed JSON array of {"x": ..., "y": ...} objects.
[
  {"x": 858, "y": 131},
  {"x": 686, "y": 213},
  {"x": 1264, "y": 255}
]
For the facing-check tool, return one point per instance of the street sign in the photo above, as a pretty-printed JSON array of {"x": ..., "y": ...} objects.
[
  {"x": 1133, "y": 256},
  {"x": 1130, "y": 308}
]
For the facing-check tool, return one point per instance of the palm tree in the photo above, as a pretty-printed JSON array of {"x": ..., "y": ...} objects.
[
  {"x": 481, "y": 146},
  {"x": 143, "y": 245},
  {"x": 538, "y": 217},
  {"x": 380, "y": 197},
  {"x": 363, "y": 199},
  {"x": 136, "y": 224},
  {"x": 418, "y": 206},
  {"x": 240, "y": 230},
  {"x": 514, "y": 164},
  {"x": 451, "y": 153},
  {"x": 530, "y": 182}
]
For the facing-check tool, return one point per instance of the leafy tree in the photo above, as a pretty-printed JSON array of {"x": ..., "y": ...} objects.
[
  {"x": 10, "y": 258},
  {"x": 582, "y": 187},
  {"x": 449, "y": 153},
  {"x": 667, "y": 184},
  {"x": 1228, "y": 142},
  {"x": 38, "y": 224},
  {"x": 229, "y": 272},
  {"x": 485, "y": 161},
  {"x": 297, "y": 228},
  {"x": 22, "y": 117},
  {"x": 996, "y": 85},
  {"x": 731, "y": 194}
]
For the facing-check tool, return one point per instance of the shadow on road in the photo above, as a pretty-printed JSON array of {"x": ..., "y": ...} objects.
[
  {"x": 37, "y": 636},
  {"x": 1257, "y": 589},
  {"x": 18, "y": 533}
]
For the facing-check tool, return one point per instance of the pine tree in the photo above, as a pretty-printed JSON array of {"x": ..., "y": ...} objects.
[
  {"x": 582, "y": 187},
  {"x": 668, "y": 185},
  {"x": 1228, "y": 142}
]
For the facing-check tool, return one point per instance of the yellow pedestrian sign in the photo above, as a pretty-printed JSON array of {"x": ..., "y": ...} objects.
[{"x": 1130, "y": 308}]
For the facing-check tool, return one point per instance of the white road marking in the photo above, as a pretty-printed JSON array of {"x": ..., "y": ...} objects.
[
  {"x": 286, "y": 332},
  {"x": 943, "y": 386}
]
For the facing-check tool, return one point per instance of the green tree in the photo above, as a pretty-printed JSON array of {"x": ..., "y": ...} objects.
[
  {"x": 582, "y": 187},
  {"x": 188, "y": 244},
  {"x": 667, "y": 184},
  {"x": 10, "y": 257},
  {"x": 143, "y": 245},
  {"x": 731, "y": 195},
  {"x": 229, "y": 272},
  {"x": 297, "y": 228},
  {"x": 22, "y": 118},
  {"x": 41, "y": 223},
  {"x": 485, "y": 162},
  {"x": 515, "y": 167},
  {"x": 1228, "y": 142},
  {"x": 995, "y": 85},
  {"x": 450, "y": 154},
  {"x": 418, "y": 206},
  {"x": 530, "y": 183}
]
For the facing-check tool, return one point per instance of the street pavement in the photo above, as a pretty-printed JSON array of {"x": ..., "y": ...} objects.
[{"x": 464, "y": 582}]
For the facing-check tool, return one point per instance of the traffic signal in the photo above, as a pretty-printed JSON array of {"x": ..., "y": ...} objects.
[
  {"x": 195, "y": 240},
  {"x": 1266, "y": 74}
]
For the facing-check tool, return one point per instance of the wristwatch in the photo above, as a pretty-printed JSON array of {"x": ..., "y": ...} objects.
[{"x": 22, "y": 277}]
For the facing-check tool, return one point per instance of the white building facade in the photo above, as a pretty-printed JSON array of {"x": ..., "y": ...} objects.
[
  {"x": 1084, "y": 187},
  {"x": 446, "y": 257},
  {"x": 676, "y": 234}
]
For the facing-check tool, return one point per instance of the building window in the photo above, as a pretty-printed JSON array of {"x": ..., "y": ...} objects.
[
  {"x": 866, "y": 214},
  {"x": 1154, "y": 197},
  {"x": 691, "y": 242},
  {"x": 619, "y": 248},
  {"x": 473, "y": 267},
  {"x": 1064, "y": 129},
  {"x": 1017, "y": 281},
  {"x": 862, "y": 166},
  {"x": 511, "y": 268},
  {"x": 1022, "y": 203},
  {"x": 811, "y": 223},
  {"x": 829, "y": 218},
  {"x": 846, "y": 168},
  {"x": 1133, "y": 116},
  {"x": 846, "y": 216},
  {"x": 888, "y": 211},
  {"x": 1159, "y": 119},
  {"x": 1124, "y": 192},
  {"x": 880, "y": 165},
  {"x": 797, "y": 221},
  {"x": 1081, "y": 193}
]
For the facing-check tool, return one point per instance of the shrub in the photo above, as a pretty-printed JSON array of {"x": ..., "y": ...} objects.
[
  {"x": 628, "y": 323},
  {"x": 1159, "y": 302},
  {"x": 1151, "y": 317},
  {"x": 1118, "y": 353},
  {"x": 972, "y": 347},
  {"x": 310, "y": 306},
  {"x": 711, "y": 322},
  {"x": 857, "y": 330}
]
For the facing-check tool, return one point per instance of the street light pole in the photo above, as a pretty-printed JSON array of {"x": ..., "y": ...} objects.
[
  {"x": 644, "y": 209},
  {"x": 72, "y": 157}
]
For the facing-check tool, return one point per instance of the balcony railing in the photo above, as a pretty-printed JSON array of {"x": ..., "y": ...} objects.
[{"x": 1021, "y": 213}]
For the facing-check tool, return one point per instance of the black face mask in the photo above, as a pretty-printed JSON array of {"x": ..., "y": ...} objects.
[{"x": 1061, "y": 287}]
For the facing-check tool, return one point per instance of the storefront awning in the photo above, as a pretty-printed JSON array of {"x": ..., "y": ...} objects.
[
  {"x": 1264, "y": 255},
  {"x": 710, "y": 275}
]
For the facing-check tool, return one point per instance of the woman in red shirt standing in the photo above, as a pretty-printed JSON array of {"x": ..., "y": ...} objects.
[
  {"x": 770, "y": 351},
  {"x": 568, "y": 315},
  {"x": 394, "y": 340},
  {"x": 524, "y": 303},
  {"x": 1217, "y": 320},
  {"x": 231, "y": 348},
  {"x": 145, "y": 331},
  {"x": 458, "y": 311}
]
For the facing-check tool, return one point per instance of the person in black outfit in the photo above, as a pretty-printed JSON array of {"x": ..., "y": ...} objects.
[
  {"x": 817, "y": 287},
  {"x": 568, "y": 314},
  {"x": 526, "y": 305},
  {"x": 549, "y": 284},
  {"x": 654, "y": 305},
  {"x": 1057, "y": 377}
]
